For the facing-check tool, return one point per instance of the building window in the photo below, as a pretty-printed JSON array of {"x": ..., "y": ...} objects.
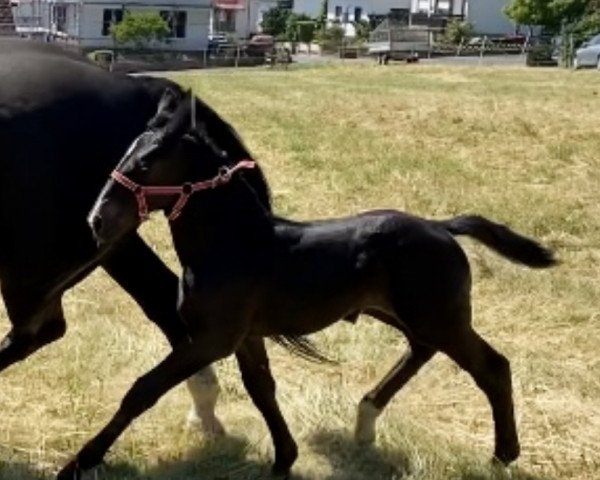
[
  {"x": 443, "y": 7},
  {"x": 338, "y": 13},
  {"x": 110, "y": 16},
  {"x": 357, "y": 14},
  {"x": 177, "y": 22},
  {"x": 59, "y": 17},
  {"x": 424, "y": 6}
]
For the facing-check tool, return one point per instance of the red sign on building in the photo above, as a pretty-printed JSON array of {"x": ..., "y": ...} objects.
[{"x": 230, "y": 4}]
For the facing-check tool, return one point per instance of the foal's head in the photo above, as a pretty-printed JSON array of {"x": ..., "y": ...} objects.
[{"x": 186, "y": 149}]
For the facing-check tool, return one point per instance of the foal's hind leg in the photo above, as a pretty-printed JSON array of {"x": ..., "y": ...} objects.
[
  {"x": 491, "y": 372},
  {"x": 258, "y": 380},
  {"x": 375, "y": 401}
]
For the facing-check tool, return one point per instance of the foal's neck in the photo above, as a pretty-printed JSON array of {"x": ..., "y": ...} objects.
[{"x": 236, "y": 229}]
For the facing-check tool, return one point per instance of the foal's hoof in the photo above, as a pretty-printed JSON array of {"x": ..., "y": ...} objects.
[
  {"x": 506, "y": 456},
  {"x": 71, "y": 471},
  {"x": 280, "y": 471}
]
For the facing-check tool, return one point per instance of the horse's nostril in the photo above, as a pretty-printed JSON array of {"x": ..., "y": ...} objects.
[{"x": 97, "y": 223}]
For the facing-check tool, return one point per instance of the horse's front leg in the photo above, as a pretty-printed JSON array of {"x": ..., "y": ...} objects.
[
  {"x": 258, "y": 380},
  {"x": 154, "y": 287},
  {"x": 184, "y": 360}
]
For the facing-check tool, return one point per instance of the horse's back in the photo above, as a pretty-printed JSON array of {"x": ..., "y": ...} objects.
[{"x": 64, "y": 123}]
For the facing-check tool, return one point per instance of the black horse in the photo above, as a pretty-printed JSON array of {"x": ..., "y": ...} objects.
[
  {"x": 64, "y": 123},
  {"x": 249, "y": 274}
]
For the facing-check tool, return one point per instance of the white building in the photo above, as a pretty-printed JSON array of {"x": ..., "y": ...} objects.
[
  {"x": 442, "y": 7},
  {"x": 240, "y": 18},
  {"x": 487, "y": 16},
  {"x": 350, "y": 10},
  {"x": 87, "y": 23}
]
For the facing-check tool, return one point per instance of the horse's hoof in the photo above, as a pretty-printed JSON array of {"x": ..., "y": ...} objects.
[
  {"x": 210, "y": 427},
  {"x": 365, "y": 422},
  {"x": 71, "y": 471}
]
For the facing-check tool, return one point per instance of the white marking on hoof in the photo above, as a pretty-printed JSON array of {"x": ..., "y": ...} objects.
[
  {"x": 204, "y": 389},
  {"x": 365, "y": 422}
]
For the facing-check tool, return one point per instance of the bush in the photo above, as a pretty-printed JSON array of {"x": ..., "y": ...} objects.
[
  {"x": 363, "y": 30},
  {"x": 457, "y": 32},
  {"x": 331, "y": 38},
  {"x": 140, "y": 29}
]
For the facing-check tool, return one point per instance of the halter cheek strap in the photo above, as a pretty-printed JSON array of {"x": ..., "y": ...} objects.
[{"x": 185, "y": 191}]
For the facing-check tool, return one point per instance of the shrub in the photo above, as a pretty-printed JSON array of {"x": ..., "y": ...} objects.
[{"x": 140, "y": 29}]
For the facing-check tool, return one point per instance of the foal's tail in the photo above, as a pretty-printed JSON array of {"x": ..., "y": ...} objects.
[
  {"x": 302, "y": 347},
  {"x": 502, "y": 239}
]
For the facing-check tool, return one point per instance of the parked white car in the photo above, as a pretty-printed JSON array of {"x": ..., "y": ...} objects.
[{"x": 588, "y": 55}]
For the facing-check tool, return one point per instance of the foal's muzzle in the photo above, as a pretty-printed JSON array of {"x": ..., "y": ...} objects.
[{"x": 112, "y": 216}]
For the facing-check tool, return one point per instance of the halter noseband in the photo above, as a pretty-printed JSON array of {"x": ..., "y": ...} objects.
[{"x": 185, "y": 191}]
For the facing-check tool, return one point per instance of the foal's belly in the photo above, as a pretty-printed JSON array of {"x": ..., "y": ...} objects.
[{"x": 305, "y": 310}]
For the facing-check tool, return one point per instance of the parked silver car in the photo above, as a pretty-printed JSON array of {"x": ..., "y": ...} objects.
[{"x": 588, "y": 55}]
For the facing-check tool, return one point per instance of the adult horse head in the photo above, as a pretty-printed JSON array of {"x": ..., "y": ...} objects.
[{"x": 64, "y": 124}]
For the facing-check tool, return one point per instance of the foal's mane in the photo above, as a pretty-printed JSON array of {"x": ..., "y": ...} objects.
[{"x": 227, "y": 139}]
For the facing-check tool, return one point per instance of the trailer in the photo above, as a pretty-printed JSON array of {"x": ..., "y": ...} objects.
[{"x": 396, "y": 40}]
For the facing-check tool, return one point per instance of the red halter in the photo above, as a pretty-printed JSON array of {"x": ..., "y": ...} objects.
[{"x": 184, "y": 191}]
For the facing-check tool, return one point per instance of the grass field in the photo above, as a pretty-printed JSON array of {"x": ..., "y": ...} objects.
[{"x": 520, "y": 146}]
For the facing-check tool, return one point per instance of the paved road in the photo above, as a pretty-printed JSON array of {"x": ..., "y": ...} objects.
[{"x": 489, "y": 60}]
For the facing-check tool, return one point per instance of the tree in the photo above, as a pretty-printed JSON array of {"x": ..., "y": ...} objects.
[
  {"x": 292, "y": 32},
  {"x": 306, "y": 32},
  {"x": 275, "y": 20},
  {"x": 550, "y": 14},
  {"x": 140, "y": 29}
]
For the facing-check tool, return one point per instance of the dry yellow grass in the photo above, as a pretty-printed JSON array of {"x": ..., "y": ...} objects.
[{"x": 520, "y": 146}]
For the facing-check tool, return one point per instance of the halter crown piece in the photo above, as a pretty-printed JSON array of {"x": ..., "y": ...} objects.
[{"x": 193, "y": 111}]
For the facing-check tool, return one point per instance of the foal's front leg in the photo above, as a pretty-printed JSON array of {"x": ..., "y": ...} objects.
[
  {"x": 254, "y": 365},
  {"x": 183, "y": 361}
]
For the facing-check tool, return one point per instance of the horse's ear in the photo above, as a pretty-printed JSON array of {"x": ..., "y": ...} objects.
[
  {"x": 168, "y": 102},
  {"x": 166, "y": 107}
]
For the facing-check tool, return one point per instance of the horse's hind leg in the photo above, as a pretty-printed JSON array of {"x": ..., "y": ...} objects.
[
  {"x": 258, "y": 380},
  {"x": 375, "y": 401},
  {"x": 137, "y": 269},
  {"x": 491, "y": 372}
]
